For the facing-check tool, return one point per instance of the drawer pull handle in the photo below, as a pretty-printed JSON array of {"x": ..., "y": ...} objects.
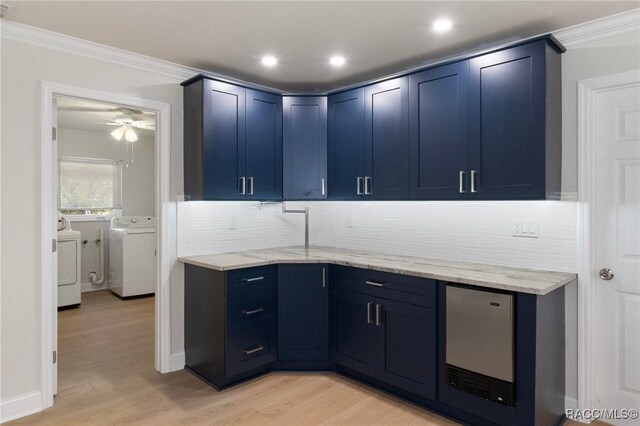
[
  {"x": 255, "y": 311},
  {"x": 250, "y": 280},
  {"x": 373, "y": 283},
  {"x": 253, "y": 350}
]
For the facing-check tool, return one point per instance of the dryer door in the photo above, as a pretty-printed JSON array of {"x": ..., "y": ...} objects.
[{"x": 67, "y": 252}]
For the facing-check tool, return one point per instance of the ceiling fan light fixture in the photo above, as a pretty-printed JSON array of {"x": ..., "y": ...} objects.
[
  {"x": 118, "y": 133},
  {"x": 130, "y": 134}
]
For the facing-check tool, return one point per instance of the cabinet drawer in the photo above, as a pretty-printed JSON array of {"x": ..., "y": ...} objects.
[
  {"x": 250, "y": 312},
  {"x": 403, "y": 288},
  {"x": 251, "y": 279},
  {"x": 250, "y": 353}
]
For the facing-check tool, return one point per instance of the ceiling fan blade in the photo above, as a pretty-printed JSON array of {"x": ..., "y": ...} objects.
[
  {"x": 144, "y": 126},
  {"x": 87, "y": 109}
]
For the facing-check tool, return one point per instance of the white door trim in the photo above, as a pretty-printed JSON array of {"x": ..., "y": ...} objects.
[
  {"x": 587, "y": 92},
  {"x": 166, "y": 220}
]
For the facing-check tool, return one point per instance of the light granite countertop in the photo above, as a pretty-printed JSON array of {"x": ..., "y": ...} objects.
[{"x": 521, "y": 280}]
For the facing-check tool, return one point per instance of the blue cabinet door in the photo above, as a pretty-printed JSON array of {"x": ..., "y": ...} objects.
[
  {"x": 303, "y": 312},
  {"x": 387, "y": 139},
  {"x": 406, "y": 346},
  {"x": 439, "y": 133},
  {"x": 223, "y": 147},
  {"x": 263, "y": 158},
  {"x": 353, "y": 333},
  {"x": 507, "y": 123},
  {"x": 304, "y": 147},
  {"x": 346, "y": 145}
]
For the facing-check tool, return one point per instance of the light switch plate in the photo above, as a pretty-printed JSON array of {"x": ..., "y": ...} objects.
[
  {"x": 233, "y": 224},
  {"x": 525, "y": 228}
]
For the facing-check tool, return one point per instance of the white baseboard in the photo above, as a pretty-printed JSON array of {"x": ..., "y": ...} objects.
[
  {"x": 570, "y": 403},
  {"x": 85, "y": 287},
  {"x": 20, "y": 406},
  {"x": 177, "y": 361}
]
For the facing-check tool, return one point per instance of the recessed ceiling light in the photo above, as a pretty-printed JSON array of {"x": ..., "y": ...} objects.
[
  {"x": 269, "y": 61},
  {"x": 337, "y": 61},
  {"x": 442, "y": 25}
]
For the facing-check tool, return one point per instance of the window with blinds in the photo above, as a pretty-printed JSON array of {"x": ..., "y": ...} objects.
[{"x": 89, "y": 186}]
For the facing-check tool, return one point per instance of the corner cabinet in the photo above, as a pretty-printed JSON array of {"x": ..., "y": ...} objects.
[
  {"x": 232, "y": 142},
  {"x": 303, "y": 312},
  {"x": 305, "y": 147},
  {"x": 515, "y": 123}
]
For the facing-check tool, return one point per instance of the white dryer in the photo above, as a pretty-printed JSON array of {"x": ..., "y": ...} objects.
[
  {"x": 69, "y": 261},
  {"x": 132, "y": 256}
]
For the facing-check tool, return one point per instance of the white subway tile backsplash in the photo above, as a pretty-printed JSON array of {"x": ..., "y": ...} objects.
[{"x": 475, "y": 231}]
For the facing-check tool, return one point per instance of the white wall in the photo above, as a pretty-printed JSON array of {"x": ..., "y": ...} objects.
[
  {"x": 24, "y": 67},
  {"x": 138, "y": 188}
]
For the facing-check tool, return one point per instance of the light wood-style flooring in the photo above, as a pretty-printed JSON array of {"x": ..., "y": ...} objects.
[{"x": 106, "y": 377}]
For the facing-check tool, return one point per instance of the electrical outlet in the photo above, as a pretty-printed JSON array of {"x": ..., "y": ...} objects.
[
  {"x": 233, "y": 224},
  {"x": 349, "y": 222},
  {"x": 525, "y": 228}
]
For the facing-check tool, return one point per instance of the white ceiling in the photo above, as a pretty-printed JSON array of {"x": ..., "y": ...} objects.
[
  {"x": 377, "y": 38},
  {"x": 93, "y": 116}
]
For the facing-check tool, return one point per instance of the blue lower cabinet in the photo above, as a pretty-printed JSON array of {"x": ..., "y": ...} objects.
[
  {"x": 406, "y": 347},
  {"x": 303, "y": 312},
  {"x": 230, "y": 329},
  {"x": 353, "y": 333}
]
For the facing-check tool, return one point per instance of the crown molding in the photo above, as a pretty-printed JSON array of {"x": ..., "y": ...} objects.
[
  {"x": 65, "y": 43},
  {"x": 572, "y": 36},
  {"x": 608, "y": 26}
]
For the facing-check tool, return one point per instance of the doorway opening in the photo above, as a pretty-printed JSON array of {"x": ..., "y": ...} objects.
[
  {"x": 106, "y": 239},
  {"x": 106, "y": 208}
]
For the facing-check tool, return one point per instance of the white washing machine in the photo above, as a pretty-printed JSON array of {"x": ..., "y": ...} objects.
[
  {"x": 132, "y": 256},
  {"x": 69, "y": 261}
]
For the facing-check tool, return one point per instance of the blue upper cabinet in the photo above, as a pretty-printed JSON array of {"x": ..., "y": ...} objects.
[
  {"x": 263, "y": 154},
  {"x": 346, "y": 145},
  {"x": 515, "y": 123},
  {"x": 439, "y": 132},
  {"x": 304, "y": 147},
  {"x": 232, "y": 142},
  {"x": 387, "y": 140}
]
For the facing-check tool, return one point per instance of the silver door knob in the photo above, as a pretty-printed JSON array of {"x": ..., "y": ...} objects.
[{"x": 606, "y": 274}]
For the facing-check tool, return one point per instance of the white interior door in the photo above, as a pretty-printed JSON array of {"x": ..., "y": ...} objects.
[{"x": 617, "y": 247}]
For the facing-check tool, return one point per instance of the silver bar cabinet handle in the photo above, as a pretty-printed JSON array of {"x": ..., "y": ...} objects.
[
  {"x": 358, "y": 185},
  {"x": 253, "y": 351},
  {"x": 243, "y": 191},
  {"x": 250, "y": 185},
  {"x": 461, "y": 182},
  {"x": 369, "y": 304},
  {"x": 322, "y": 185},
  {"x": 324, "y": 278},
  {"x": 249, "y": 280},
  {"x": 253, "y": 312},
  {"x": 473, "y": 181},
  {"x": 374, "y": 283},
  {"x": 367, "y": 189},
  {"x": 378, "y": 315}
]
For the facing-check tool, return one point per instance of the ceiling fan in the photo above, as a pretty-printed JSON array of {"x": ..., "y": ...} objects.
[{"x": 126, "y": 123}]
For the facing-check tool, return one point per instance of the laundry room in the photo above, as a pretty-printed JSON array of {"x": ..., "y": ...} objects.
[{"x": 106, "y": 196}]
